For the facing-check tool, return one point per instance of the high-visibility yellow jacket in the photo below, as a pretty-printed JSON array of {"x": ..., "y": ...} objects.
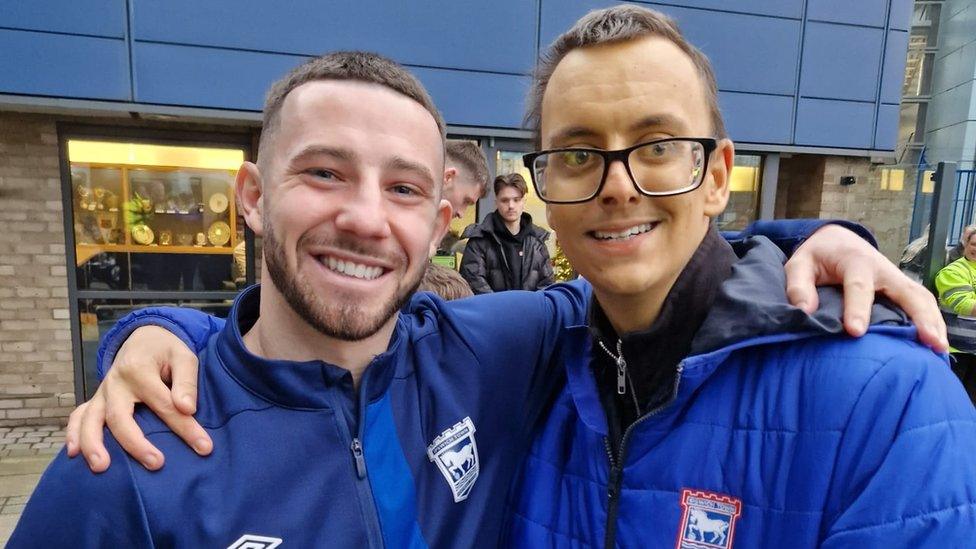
[{"x": 956, "y": 284}]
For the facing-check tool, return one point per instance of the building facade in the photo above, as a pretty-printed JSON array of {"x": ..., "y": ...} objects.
[{"x": 121, "y": 123}]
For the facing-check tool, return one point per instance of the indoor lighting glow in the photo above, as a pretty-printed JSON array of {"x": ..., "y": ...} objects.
[{"x": 140, "y": 154}]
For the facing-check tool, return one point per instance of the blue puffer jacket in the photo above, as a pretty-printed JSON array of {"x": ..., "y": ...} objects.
[{"x": 781, "y": 433}]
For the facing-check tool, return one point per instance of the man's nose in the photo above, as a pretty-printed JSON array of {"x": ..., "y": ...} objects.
[
  {"x": 364, "y": 212},
  {"x": 619, "y": 187}
]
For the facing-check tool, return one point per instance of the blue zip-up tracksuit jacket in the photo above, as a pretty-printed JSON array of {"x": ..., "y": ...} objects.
[
  {"x": 782, "y": 432},
  {"x": 423, "y": 455}
]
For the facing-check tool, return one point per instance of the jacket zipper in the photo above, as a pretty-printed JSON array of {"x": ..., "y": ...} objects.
[
  {"x": 617, "y": 463},
  {"x": 374, "y": 534}
]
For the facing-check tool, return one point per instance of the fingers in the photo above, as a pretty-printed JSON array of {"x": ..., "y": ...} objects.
[
  {"x": 920, "y": 305},
  {"x": 90, "y": 435},
  {"x": 120, "y": 407},
  {"x": 800, "y": 283},
  {"x": 184, "y": 367},
  {"x": 72, "y": 431},
  {"x": 159, "y": 399},
  {"x": 858, "y": 299}
]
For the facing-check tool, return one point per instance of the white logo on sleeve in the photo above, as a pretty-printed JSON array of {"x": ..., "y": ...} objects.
[
  {"x": 250, "y": 541},
  {"x": 456, "y": 454}
]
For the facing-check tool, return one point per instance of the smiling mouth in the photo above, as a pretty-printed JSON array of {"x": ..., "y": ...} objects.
[
  {"x": 350, "y": 268},
  {"x": 625, "y": 234}
]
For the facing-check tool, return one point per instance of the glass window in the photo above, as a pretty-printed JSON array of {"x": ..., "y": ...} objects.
[
  {"x": 743, "y": 193},
  {"x": 97, "y": 316},
  {"x": 155, "y": 217}
]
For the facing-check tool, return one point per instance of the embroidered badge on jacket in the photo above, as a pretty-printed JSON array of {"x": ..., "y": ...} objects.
[
  {"x": 456, "y": 454},
  {"x": 708, "y": 520}
]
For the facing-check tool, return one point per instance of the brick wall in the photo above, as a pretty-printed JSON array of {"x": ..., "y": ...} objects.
[
  {"x": 36, "y": 373},
  {"x": 888, "y": 213},
  {"x": 809, "y": 186}
]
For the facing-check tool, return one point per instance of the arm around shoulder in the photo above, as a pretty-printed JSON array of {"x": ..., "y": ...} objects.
[{"x": 193, "y": 327}]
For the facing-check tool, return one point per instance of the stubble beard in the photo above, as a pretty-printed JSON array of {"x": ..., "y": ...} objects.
[{"x": 343, "y": 321}]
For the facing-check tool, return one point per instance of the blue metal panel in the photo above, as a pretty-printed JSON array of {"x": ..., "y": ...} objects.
[
  {"x": 476, "y": 99},
  {"x": 841, "y": 62},
  {"x": 733, "y": 42},
  {"x": 61, "y": 65},
  {"x": 858, "y": 12},
  {"x": 757, "y": 118},
  {"x": 470, "y": 34},
  {"x": 886, "y": 132},
  {"x": 893, "y": 75},
  {"x": 778, "y": 8},
  {"x": 835, "y": 124},
  {"x": 206, "y": 77},
  {"x": 93, "y": 17},
  {"x": 900, "y": 16}
]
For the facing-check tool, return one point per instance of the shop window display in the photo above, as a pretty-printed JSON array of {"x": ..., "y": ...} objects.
[{"x": 155, "y": 218}]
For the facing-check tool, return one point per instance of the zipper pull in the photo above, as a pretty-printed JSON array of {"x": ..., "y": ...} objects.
[
  {"x": 621, "y": 375},
  {"x": 357, "y": 457}
]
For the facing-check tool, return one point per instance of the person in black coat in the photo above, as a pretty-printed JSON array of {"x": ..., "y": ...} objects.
[{"x": 506, "y": 251}]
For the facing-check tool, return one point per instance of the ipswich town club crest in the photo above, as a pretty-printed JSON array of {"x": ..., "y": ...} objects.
[
  {"x": 708, "y": 520},
  {"x": 456, "y": 455}
]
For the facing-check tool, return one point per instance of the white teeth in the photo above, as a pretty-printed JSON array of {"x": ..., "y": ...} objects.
[
  {"x": 626, "y": 233},
  {"x": 349, "y": 268}
]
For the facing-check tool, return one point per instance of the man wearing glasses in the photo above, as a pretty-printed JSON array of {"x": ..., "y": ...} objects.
[
  {"x": 636, "y": 246},
  {"x": 701, "y": 409}
]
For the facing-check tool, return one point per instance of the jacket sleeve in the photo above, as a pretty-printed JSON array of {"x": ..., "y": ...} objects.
[
  {"x": 71, "y": 507},
  {"x": 474, "y": 268},
  {"x": 547, "y": 277},
  {"x": 788, "y": 234},
  {"x": 956, "y": 292},
  {"x": 193, "y": 327},
  {"x": 905, "y": 473}
]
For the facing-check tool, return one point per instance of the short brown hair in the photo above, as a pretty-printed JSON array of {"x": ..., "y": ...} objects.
[
  {"x": 469, "y": 156},
  {"x": 619, "y": 24},
  {"x": 344, "y": 65},
  {"x": 514, "y": 180},
  {"x": 445, "y": 282}
]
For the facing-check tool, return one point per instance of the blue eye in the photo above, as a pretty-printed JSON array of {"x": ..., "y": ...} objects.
[{"x": 318, "y": 172}]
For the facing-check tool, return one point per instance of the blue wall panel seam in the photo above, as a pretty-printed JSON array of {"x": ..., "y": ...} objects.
[
  {"x": 853, "y": 25},
  {"x": 881, "y": 77},
  {"x": 128, "y": 48},
  {"x": 799, "y": 74},
  {"x": 717, "y": 10},
  {"x": 307, "y": 56},
  {"x": 61, "y": 33},
  {"x": 841, "y": 100}
]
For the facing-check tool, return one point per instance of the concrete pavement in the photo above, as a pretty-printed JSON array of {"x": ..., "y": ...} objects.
[{"x": 24, "y": 454}]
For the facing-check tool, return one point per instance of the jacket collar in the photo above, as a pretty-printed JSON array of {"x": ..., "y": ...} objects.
[
  {"x": 308, "y": 384},
  {"x": 751, "y": 310}
]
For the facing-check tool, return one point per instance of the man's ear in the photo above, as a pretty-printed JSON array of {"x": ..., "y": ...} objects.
[
  {"x": 718, "y": 177},
  {"x": 450, "y": 175},
  {"x": 250, "y": 196},
  {"x": 441, "y": 224}
]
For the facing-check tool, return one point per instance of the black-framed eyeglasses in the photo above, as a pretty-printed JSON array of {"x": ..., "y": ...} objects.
[{"x": 663, "y": 167}]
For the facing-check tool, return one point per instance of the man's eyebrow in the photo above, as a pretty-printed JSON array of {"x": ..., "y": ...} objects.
[
  {"x": 338, "y": 153},
  {"x": 653, "y": 121},
  {"x": 572, "y": 132},
  {"x": 402, "y": 164}
]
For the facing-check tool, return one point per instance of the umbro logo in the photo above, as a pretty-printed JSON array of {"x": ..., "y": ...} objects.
[{"x": 250, "y": 541}]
